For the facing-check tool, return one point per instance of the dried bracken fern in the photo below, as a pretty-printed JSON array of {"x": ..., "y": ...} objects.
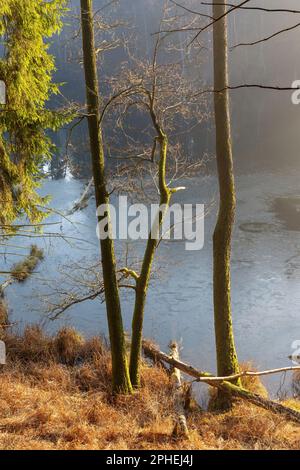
[{"x": 55, "y": 394}]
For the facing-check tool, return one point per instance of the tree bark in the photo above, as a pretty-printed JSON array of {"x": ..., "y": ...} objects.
[
  {"x": 142, "y": 281},
  {"x": 120, "y": 371},
  {"x": 227, "y": 362}
]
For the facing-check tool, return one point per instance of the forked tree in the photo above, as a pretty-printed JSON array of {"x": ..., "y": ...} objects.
[
  {"x": 161, "y": 95},
  {"x": 158, "y": 89}
]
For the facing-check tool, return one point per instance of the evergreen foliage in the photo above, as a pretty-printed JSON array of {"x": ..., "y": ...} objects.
[{"x": 27, "y": 68}]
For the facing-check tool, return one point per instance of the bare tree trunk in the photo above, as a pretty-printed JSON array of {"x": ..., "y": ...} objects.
[
  {"x": 142, "y": 281},
  {"x": 227, "y": 362},
  {"x": 120, "y": 372}
]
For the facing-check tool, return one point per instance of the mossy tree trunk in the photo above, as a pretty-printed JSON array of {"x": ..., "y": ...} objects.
[
  {"x": 227, "y": 362},
  {"x": 120, "y": 370},
  {"x": 142, "y": 281}
]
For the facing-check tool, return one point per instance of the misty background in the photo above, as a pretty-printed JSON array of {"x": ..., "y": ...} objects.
[{"x": 265, "y": 123}]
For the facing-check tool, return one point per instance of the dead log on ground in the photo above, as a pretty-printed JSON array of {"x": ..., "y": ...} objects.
[
  {"x": 150, "y": 353},
  {"x": 270, "y": 405},
  {"x": 83, "y": 201}
]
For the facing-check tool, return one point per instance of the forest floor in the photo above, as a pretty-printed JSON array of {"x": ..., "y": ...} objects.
[{"x": 55, "y": 394}]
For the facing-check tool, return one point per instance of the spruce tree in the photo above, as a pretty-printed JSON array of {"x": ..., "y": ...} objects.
[{"x": 26, "y": 68}]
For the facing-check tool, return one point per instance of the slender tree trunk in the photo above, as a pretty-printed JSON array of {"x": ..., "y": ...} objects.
[
  {"x": 227, "y": 362},
  {"x": 120, "y": 371},
  {"x": 142, "y": 282}
]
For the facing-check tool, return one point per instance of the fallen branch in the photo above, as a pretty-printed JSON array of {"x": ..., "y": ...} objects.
[
  {"x": 84, "y": 199},
  {"x": 239, "y": 392},
  {"x": 5, "y": 285},
  {"x": 248, "y": 373},
  {"x": 180, "y": 429},
  {"x": 151, "y": 353}
]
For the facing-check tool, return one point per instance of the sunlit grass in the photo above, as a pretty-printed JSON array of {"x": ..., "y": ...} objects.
[{"x": 55, "y": 394}]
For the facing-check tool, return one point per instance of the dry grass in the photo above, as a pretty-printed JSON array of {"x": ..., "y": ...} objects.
[
  {"x": 22, "y": 270},
  {"x": 3, "y": 312},
  {"x": 55, "y": 394}
]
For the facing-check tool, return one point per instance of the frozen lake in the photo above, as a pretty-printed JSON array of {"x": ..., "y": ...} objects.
[{"x": 265, "y": 274}]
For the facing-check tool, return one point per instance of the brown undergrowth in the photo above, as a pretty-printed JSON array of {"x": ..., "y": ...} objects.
[{"x": 55, "y": 394}]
